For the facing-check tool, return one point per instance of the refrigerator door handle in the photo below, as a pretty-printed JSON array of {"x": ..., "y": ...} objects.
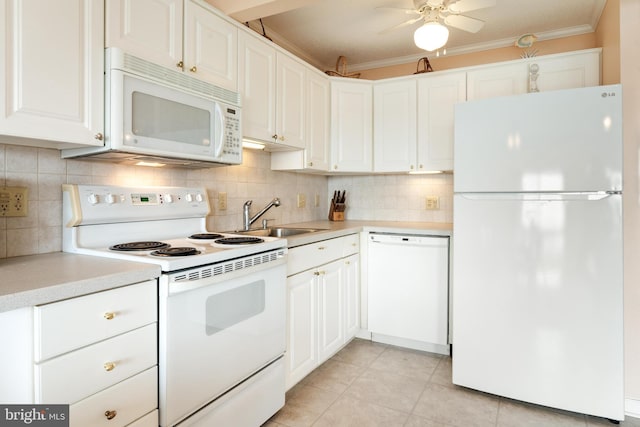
[{"x": 542, "y": 197}]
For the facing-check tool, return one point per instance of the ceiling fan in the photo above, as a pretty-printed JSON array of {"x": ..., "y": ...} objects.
[{"x": 433, "y": 34}]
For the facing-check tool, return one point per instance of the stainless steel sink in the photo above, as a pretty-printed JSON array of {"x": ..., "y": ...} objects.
[{"x": 279, "y": 231}]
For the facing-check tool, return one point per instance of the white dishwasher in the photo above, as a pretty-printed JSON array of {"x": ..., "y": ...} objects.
[{"x": 408, "y": 290}]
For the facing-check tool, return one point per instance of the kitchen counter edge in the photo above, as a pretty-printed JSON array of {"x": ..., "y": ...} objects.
[
  {"x": 40, "y": 279},
  {"x": 333, "y": 229}
]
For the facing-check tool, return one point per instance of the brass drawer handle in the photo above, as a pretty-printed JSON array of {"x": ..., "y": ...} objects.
[
  {"x": 109, "y": 315},
  {"x": 110, "y": 414},
  {"x": 109, "y": 366},
  {"x": 180, "y": 65}
]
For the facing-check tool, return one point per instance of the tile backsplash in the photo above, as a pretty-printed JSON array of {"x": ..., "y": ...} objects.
[{"x": 373, "y": 197}]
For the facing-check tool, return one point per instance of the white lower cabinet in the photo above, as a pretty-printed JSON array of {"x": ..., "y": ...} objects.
[
  {"x": 323, "y": 304},
  {"x": 99, "y": 354}
]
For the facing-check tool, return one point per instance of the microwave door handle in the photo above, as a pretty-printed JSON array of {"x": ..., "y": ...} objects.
[{"x": 220, "y": 141}]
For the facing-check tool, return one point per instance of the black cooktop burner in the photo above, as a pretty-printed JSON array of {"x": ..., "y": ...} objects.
[
  {"x": 205, "y": 236},
  {"x": 239, "y": 240},
  {"x": 179, "y": 251},
  {"x": 139, "y": 246}
]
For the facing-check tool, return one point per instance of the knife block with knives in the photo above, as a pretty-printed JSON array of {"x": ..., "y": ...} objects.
[{"x": 336, "y": 210}]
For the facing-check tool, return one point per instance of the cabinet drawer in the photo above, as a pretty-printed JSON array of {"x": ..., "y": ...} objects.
[
  {"x": 128, "y": 400},
  {"x": 67, "y": 325},
  {"x": 308, "y": 256},
  {"x": 149, "y": 420},
  {"x": 76, "y": 375},
  {"x": 350, "y": 244}
]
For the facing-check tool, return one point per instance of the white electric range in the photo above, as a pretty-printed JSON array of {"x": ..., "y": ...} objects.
[{"x": 221, "y": 298}]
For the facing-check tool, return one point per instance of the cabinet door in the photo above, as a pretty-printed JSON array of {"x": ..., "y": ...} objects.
[
  {"x": 394, "y": 126},
  {"x": 351, "y": 284},
  {"x": 497, "y": 80},
  {"x": 351, "y": 126},
  {"x": 148, "y": 29},
  {"x": 317, "y": 124},
  {"x": 257, "y": 74},
  {"x": 46, "y": 42},
  {"x": 566, "y": 72},
  {"x": 301, "y": 356},
  {"x": 210, "y": 47},
  {"x": 437, "y": 96},
  {"x": 330, "y": 309},
  {"x": 290, "y": 101}
]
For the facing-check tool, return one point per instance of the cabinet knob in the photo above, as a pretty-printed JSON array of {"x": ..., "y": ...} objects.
[
  {"x": 110, "y": 414},
  {"x": 193, "y": 69},
  {"x": 335, "y": 167},
  {"x": 321, "y": 272},
  {"x": 180, "y": 65},
  {"x": 411, "y": 167},
  {"x": 316, "y": 273},
  {"x": 275, "y": 136},
  {"x": 310, "y": 163},
  {"x": 98, "y": 136},
  {"x": 109, "y": 315},
  {"x": 321, "y": 248},
  {"x": 109, "y": 366},
  {"x": 347, "y": 262},
  {"x": 281, "y": 138},
  {"x": 420, "y": 166}
]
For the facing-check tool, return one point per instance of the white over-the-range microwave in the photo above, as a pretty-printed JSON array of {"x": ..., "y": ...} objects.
[{"x": 154, "y": 115}]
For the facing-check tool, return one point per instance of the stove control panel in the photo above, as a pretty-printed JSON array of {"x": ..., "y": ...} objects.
[{"x": 97, "y": 204}]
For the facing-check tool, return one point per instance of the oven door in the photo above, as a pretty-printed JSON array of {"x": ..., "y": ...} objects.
[{"x": 215, "y": 332}]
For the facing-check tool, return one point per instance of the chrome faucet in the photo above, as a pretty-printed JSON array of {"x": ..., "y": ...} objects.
[{"x": 247, "y": 221}]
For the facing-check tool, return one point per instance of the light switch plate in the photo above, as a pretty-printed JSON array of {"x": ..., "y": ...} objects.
[
  {"x": 302, "y": 200},
  {"x": 14, "y": 201},
  {"x": 432, "y": 203},
  {"x": 222, "y": 201}
]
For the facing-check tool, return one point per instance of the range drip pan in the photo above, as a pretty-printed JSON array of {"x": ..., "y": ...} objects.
[
  {"x": 177, "y": 251},
  {"x": 139, "y": 246},
  {"x": 205, "y": 236},
  {"x": 245, "y": 240}
]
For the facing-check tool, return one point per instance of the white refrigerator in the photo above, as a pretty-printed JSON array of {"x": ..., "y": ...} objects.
[{"x": 537, "y": 249}]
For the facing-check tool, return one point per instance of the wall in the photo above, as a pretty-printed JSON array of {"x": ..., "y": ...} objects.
[
  {"x": 396, "y": 197},
  {"x": 629, "y": 74},
  {"x": 608, "y": 37},
  {"x": 43, "y": 172}
]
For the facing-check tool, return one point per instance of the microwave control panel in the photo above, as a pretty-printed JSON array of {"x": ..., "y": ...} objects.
[{"x": 232, "y": 148}]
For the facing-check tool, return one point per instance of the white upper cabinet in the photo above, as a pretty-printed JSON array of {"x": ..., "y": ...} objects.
[
  {"x": 437, "y": 96},
  {"x": 290, "y": 101},
  {"x": 273, "y": 85},
  {"x": 210, "y": 46},
  {"x": 52, "y": 71},
  {"x": 498, "y": 80},
  {"x": 180, "y": 34},
  {"x": 317, "y": 124},
  {"x": 559, "y": 71},
  {"x": 394, "y": 126},
  {"x": 351, "y": 125},
  {"x": 257, "y": 72}
]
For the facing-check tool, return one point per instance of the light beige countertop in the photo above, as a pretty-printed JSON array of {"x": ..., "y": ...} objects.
[
  {"x": 39, "y": 279},
  {"x": 332, "y": 229}
]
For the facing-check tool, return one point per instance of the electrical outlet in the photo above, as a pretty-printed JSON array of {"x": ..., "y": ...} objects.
[
  {"x": 432, "y": 203},
  {"x": 302, "y": 200},
  {"x": 316, "y": 202},
  {"x": 222, "y": 201},
  {"x": 14, "y": 201}
]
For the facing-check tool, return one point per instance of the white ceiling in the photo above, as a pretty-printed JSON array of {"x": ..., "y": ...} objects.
[{"x": 321, "y": 30}]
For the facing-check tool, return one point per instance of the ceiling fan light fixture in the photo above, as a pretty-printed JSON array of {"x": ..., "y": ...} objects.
[{"x": 431, "y": 36}]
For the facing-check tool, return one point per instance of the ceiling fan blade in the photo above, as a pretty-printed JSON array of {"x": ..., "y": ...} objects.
[
  {"x": 465, "y": 23},
  {"x": 435, "y": 3},
  {"x": 462, "y": 6},
  {"x": 404, "y": 24},
  {"x": 406, "y": 11}
]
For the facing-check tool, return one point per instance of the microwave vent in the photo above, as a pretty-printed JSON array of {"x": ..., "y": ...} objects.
[{"x": 148, "y": 69}]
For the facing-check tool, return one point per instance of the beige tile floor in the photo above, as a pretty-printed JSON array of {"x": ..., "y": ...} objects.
[{"x": 370, "y": 384}]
